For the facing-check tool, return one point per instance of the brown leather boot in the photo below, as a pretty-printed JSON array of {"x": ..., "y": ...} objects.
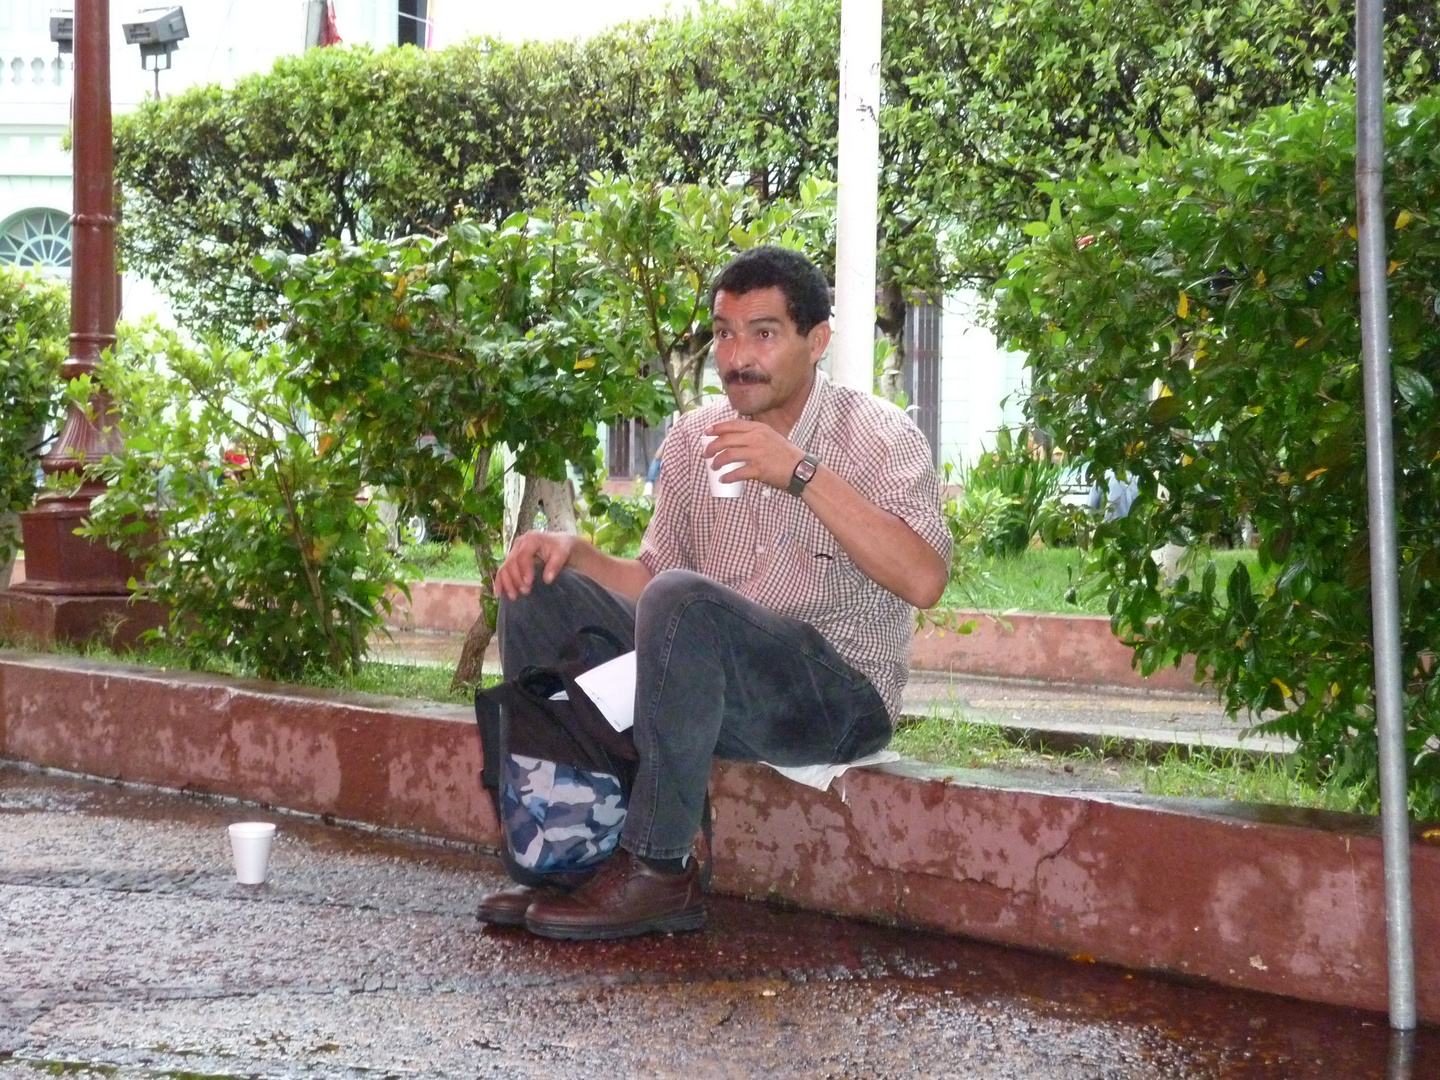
[
  {"x": 507, "y": 907},
  {"x": 625, "y": 898}
]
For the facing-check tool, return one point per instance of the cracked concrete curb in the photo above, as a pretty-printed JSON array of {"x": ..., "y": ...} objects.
[{"x": 1193, "y": 887}]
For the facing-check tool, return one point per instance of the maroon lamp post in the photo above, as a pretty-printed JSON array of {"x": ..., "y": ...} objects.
[{"x": 76, "y": 588}]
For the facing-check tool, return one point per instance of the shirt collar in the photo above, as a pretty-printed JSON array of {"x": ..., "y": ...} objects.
[{"x": 803, "y": 433}]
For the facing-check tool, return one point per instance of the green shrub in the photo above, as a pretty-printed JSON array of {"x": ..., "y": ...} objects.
[
  {"x": 260, "y": 551},
  {"x": 1191, "y": 319},
  {"x": 1026, "y": 482},
  {"x": 617, "y": 523},
  {"x": 981, "y": 100},
  {"x": 34, "y": 322},
  {"x": 440, "y": 350}
]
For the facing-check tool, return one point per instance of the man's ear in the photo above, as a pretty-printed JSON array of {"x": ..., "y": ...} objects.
[{"x": 819, "y": 339}]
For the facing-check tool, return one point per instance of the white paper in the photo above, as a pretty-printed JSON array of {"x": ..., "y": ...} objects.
[
  {"x": 611, "y": 686},
  {"x": 821, "y": 777}
]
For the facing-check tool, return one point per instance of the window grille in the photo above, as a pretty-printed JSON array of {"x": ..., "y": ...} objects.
[
  {"x": 36, "y": 238},
  {"x": 922, "y": 370}
]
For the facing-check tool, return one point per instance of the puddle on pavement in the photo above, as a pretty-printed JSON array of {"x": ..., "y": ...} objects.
[{"x": 760, "y": 955}]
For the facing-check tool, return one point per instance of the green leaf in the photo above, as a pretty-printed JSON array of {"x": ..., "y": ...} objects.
[
  {"x": 1165, "y": 409},
  {"x": 1415, "y": 388}
]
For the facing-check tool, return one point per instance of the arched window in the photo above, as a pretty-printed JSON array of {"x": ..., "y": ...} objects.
[{"x": 37, "y": 237}]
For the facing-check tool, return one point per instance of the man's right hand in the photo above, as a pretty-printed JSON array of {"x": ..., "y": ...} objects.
[{"x": 517, "y": 573}]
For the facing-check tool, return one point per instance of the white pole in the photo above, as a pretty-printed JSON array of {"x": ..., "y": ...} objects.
[
  {"x": 857, "y": 174},
  {"x": 314, "y": 18}
]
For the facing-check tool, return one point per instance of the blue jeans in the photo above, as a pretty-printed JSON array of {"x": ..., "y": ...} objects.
[{"x": 717, "y": 675}]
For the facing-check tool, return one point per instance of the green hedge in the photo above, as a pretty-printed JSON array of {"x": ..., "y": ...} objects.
[
  {"x": 981, "y": 101},
  {"x": 34, "y": 324},
  {"x": 1192, "y": 321}
]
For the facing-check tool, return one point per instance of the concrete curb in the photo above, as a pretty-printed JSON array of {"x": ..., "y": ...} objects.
[
  {"x": 1257, "y": 897},
  {"x": 1076, "y": 649},
  {"x": 1263, "y": 898},
  {"x": 392, "y": 762}
]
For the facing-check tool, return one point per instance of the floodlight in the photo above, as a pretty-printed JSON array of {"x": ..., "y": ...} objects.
[
  {"x": 158, "y": 31},
  {"x": 62, "y": 29}
]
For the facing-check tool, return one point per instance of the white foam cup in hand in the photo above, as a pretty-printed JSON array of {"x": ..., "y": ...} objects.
[
  {"x": 719, "y": 486},
  {"x": 250, "y": 844}
]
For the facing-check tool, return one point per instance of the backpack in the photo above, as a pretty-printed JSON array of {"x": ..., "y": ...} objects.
[{"x": 558, "y": 773}]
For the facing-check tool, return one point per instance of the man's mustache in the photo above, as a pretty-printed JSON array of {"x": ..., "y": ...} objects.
[{"x": 746, "y": 376}]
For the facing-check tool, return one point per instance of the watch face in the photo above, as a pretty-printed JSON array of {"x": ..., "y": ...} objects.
[{"x": 805, "y": 470}]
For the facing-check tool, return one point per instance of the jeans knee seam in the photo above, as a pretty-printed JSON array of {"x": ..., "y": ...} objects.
[{"x": 651, "y": 741}]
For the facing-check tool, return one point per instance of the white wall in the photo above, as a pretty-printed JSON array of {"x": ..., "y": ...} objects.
[
  {"x": 981, "y": 385},
  {"x": 34, "y": 112},
  {"x": 455, "y": 20}
]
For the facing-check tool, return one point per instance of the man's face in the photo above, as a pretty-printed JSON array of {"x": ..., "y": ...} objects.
[{"x": 766, "y": 365}]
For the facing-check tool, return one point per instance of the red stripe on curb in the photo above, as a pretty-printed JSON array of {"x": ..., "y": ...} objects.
[
  {"x": 1077, "y": 649},
  {"x": 1263, "y": 898}
]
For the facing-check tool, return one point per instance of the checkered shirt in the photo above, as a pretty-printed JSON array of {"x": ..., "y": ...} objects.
[{"x": 770, "y": 548}]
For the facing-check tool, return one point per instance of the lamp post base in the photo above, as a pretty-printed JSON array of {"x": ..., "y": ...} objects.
[
  {"x": 70, "y": 588},
  {"x": 59, "y": 561},
  {"x": 40, "y": 620}
]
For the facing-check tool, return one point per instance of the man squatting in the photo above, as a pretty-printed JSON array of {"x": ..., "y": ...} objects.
[{"x": 775, "y": 626}]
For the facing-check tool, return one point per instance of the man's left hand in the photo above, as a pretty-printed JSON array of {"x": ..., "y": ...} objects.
[{"x": 769, "y": 457}]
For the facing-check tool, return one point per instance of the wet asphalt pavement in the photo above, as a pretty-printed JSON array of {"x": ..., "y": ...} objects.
[{"x": 127, "y": 950}]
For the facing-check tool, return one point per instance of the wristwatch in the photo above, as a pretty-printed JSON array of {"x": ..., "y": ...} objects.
[{"x": 803, "y": 474}]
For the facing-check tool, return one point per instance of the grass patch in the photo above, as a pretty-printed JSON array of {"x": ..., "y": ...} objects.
[
  {"x": 950, "y": 740},
  {"x": 1039, "y": 578},
  {"x": 954, "y": 741},
  {"x": 456, "y": 562},
  {"x": 443, "y": 562},
  {"x": 1240, "y": 777},
  {"x": 424, "y": 682},
  {"x": 1034, "y": 580},
  {"x": 427, "y": 682}
]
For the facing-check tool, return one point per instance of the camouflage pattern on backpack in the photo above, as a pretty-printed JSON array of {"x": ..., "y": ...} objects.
[{"x": 559, "y": 817}]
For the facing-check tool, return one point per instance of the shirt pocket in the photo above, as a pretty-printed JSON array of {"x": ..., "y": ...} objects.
[{"x": 812, "y": 570}]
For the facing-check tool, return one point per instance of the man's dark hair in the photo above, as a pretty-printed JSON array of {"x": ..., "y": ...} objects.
[{"x": 807, "y": 293}]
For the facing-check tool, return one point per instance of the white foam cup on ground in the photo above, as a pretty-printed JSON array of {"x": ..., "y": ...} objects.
[
  {"x": 250, "y": 844},
  {"x": 719, "y": 486}
]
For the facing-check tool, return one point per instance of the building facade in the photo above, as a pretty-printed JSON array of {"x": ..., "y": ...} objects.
[{"x": 226, "y": 42}]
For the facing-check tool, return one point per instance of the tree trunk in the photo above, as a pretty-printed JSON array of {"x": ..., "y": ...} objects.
[
  {"x": 514, "y": 496},
  {"x": 9, "y": 540},
  {"x": 1168, "y": 559},
  {"x": 477, "y": 638},
  {"x": 525, "y": 516},
  {"x": 680, "y": 373},
  {"x": 554, "y": 499},
  {"x": 890, "y": 319},
  {"x": 557, "y": 502}
]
